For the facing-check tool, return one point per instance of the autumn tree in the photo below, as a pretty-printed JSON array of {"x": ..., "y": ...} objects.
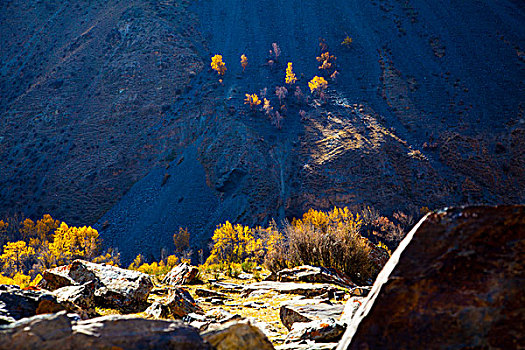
[
  {"x": 218, "y": 65},
  {"x": 74, "y": 242},
  {"x": 14, "y": 256},
  {"x": 234, "y": 244},
  {"x": 244, "y": 62},
  {"x": 317, "y": 85},
  {"x": 290, "y": 75},
  {"x": 252, "y": 100},
  {"x": 326, "y": 60}
]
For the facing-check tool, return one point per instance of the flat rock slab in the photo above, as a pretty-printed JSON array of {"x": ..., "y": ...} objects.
[
  {"x": 326, "y": 330},
  {"x": 455, "y": 281},
  {"x": 291, "y": 313},
  {"x": 228, "y": 287},
  {"x": 67, "y": 332},
  {"x": 307, "y": 289},
  {"x": 307, "y": 273}
]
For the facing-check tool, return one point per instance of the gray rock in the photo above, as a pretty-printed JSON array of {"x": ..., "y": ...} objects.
[
  {"x": 291, "y": 313},
  {"x": 63, "y": 331},
  {"x": 123, "y": 289},
  {"x": 307, "y": 273},
  {"x": 16, "y": 303},
  {"x": 236, "y": 336},
  {"x": 181, "y": 274},
  {"x": 307, "y": 289},
  {"x": 326, "y": 330}
]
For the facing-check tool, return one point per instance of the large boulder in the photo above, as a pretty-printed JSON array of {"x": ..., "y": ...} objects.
[
  {"x": 307, "y": 273},
  {"x": 456, "y": 281},
  {"x": 67, "y": 332},
  {"x": 237, "y": 335},
  {"x": 126, "y": 290},
  {"x": 16, "y": 303},
  {"x": 181, "y": 274}
]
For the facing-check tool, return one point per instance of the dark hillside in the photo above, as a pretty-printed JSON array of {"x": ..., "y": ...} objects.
[{"x": 428, "y": 110}]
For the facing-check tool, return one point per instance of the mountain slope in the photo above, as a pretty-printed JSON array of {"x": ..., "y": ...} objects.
[{"x": 427, "y": 110}]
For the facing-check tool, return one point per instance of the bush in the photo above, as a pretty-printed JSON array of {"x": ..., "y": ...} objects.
[{"x": 329, "y": 239}]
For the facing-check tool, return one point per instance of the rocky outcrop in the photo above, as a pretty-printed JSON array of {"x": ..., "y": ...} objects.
[
  {"x": 123, "y": 289},
  {"x": 317, "y": 274},
  {"x": 16, "y": 303},
  {"x": 181, "y": 274},
  {"x": 455, "y": 281},
  {"x": 292, "y": 312},
  {"x": 237, "y": 336},
  {"x": 66, "y": 331}
]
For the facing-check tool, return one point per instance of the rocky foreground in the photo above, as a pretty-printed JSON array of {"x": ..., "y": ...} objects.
[{"x": 456, "y": 281}]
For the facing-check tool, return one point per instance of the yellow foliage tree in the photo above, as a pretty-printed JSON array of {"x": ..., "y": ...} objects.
[
  {"x": 74, "y": 242},
  {"x": 244, "y": 62},
  {"x": 15, "y": 254},
  {"x": 317, "y": 84},
  {"x": 252, "y": 100},
  {"x": 218, "y": 65},
  {"x": 234, "y": 244},
  {"x": 18, "y": 279},
  {"x": 290, "y": 76}
]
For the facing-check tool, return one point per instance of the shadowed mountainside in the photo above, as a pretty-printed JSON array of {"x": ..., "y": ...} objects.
[{"x": 427, "y": 111}]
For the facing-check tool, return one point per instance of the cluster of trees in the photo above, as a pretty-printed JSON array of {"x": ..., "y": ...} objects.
[
  {"x": 317, "y": 85},
  {"x": 332, "y": 239},
  {"x": 44, "y": 244}
]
